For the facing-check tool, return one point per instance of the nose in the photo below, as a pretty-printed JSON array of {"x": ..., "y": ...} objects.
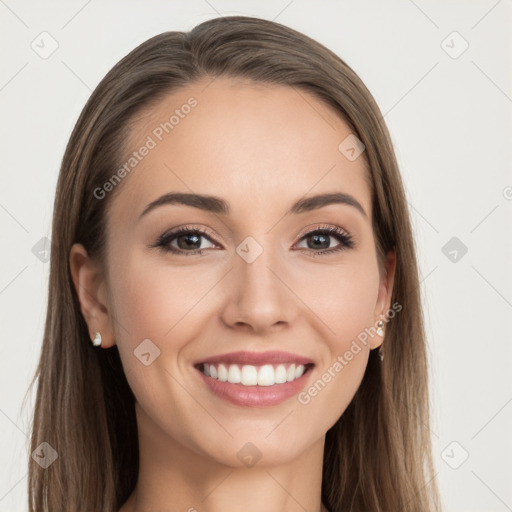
[{"x": 258, "y": 298}]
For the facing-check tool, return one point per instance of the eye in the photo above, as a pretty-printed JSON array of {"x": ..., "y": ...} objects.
[
  {"x": 319, "y": 239},
  {"x": 188, "y": 241}
]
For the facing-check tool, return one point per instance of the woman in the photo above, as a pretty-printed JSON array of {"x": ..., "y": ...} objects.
[{"x": 231, "y": 232}]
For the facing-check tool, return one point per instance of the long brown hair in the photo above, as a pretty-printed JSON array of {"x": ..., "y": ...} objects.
[{"x": 378, "y": 454}]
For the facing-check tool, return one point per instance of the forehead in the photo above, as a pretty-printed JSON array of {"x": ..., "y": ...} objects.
[{"x": 257, "y": 145}]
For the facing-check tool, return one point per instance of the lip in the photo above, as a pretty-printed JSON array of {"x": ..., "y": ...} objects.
[
  {"x": 255, "y": 358},
  {"x": 255, "y": 396}
]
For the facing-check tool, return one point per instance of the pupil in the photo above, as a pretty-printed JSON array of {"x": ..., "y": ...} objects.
[
  {"x": 187, "y": 245},
  {"x": 317, "y": 237}
]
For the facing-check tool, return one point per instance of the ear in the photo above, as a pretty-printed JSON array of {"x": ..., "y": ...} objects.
[
  {"x": 387, "y": 278},
  {"x": 90, "y": 287}
]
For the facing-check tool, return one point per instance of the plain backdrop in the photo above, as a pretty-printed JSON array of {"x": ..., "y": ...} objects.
[{"x": 440, "y": 72}]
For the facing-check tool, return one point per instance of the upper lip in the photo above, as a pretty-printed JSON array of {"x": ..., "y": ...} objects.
[{"x": 255, "y": 358}]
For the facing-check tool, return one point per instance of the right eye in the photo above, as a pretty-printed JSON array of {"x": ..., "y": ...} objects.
[{"x": 185, "y": 238}]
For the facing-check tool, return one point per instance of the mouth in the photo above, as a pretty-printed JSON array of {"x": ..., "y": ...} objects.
[{"x": 255, "y": 379}]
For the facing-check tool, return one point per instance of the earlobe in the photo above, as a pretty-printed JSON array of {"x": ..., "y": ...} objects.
[{"x": 89, "y": 286}]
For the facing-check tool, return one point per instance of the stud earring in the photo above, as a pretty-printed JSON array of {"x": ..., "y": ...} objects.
[{"x": 97, "y": 339}]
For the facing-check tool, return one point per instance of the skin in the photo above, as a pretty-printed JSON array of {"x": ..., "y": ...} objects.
[{"x": 260, "y": 148}]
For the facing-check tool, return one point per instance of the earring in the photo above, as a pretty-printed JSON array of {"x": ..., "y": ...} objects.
[
  {"x": 97, "y": 339},
  {"x": 380, "y": 332}
]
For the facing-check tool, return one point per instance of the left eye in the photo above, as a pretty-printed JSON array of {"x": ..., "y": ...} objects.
[{"x": 320, "y": 237}]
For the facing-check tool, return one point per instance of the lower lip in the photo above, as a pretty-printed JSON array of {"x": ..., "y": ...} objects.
[{"x": 255, "y": 396}]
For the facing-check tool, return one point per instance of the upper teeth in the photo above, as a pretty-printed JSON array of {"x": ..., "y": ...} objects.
[{"x": 250, "y": 375}]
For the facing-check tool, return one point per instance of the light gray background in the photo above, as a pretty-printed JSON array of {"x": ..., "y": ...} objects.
[{"x": 450, "y": 120}]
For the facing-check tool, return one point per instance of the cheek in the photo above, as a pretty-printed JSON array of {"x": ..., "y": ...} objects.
[
  {"x": 344, "y": 299},
  {"x": 158, "y": 303},
  {"x": 346, "y": 309},
  {"x": 154, "y": 301}
]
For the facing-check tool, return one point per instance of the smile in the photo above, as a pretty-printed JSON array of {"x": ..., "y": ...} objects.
[{"x": 255, "y": 379}]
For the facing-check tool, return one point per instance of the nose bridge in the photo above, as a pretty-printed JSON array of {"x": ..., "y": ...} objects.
[{"x": 258, "y": 296}]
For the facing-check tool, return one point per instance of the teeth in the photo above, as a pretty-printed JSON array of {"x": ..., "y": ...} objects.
[
  {"x": 233, "y": 374},
  {"x": 222, "y": 373},
  {"x": 249, "y": 375},
  {"x": 280, "y": 375},
  {"x": 266, "y": 375},
  {"x": 290, "y": 374}
]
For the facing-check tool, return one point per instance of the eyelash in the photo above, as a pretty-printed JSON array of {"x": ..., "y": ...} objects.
[{"x": 163, "y": 242}]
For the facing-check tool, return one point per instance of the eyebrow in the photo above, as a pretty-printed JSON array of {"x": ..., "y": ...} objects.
[{"x": 217, "y": 205}]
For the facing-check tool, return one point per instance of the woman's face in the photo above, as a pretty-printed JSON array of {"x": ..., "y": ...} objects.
[{"x": 258, "y": 286}]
